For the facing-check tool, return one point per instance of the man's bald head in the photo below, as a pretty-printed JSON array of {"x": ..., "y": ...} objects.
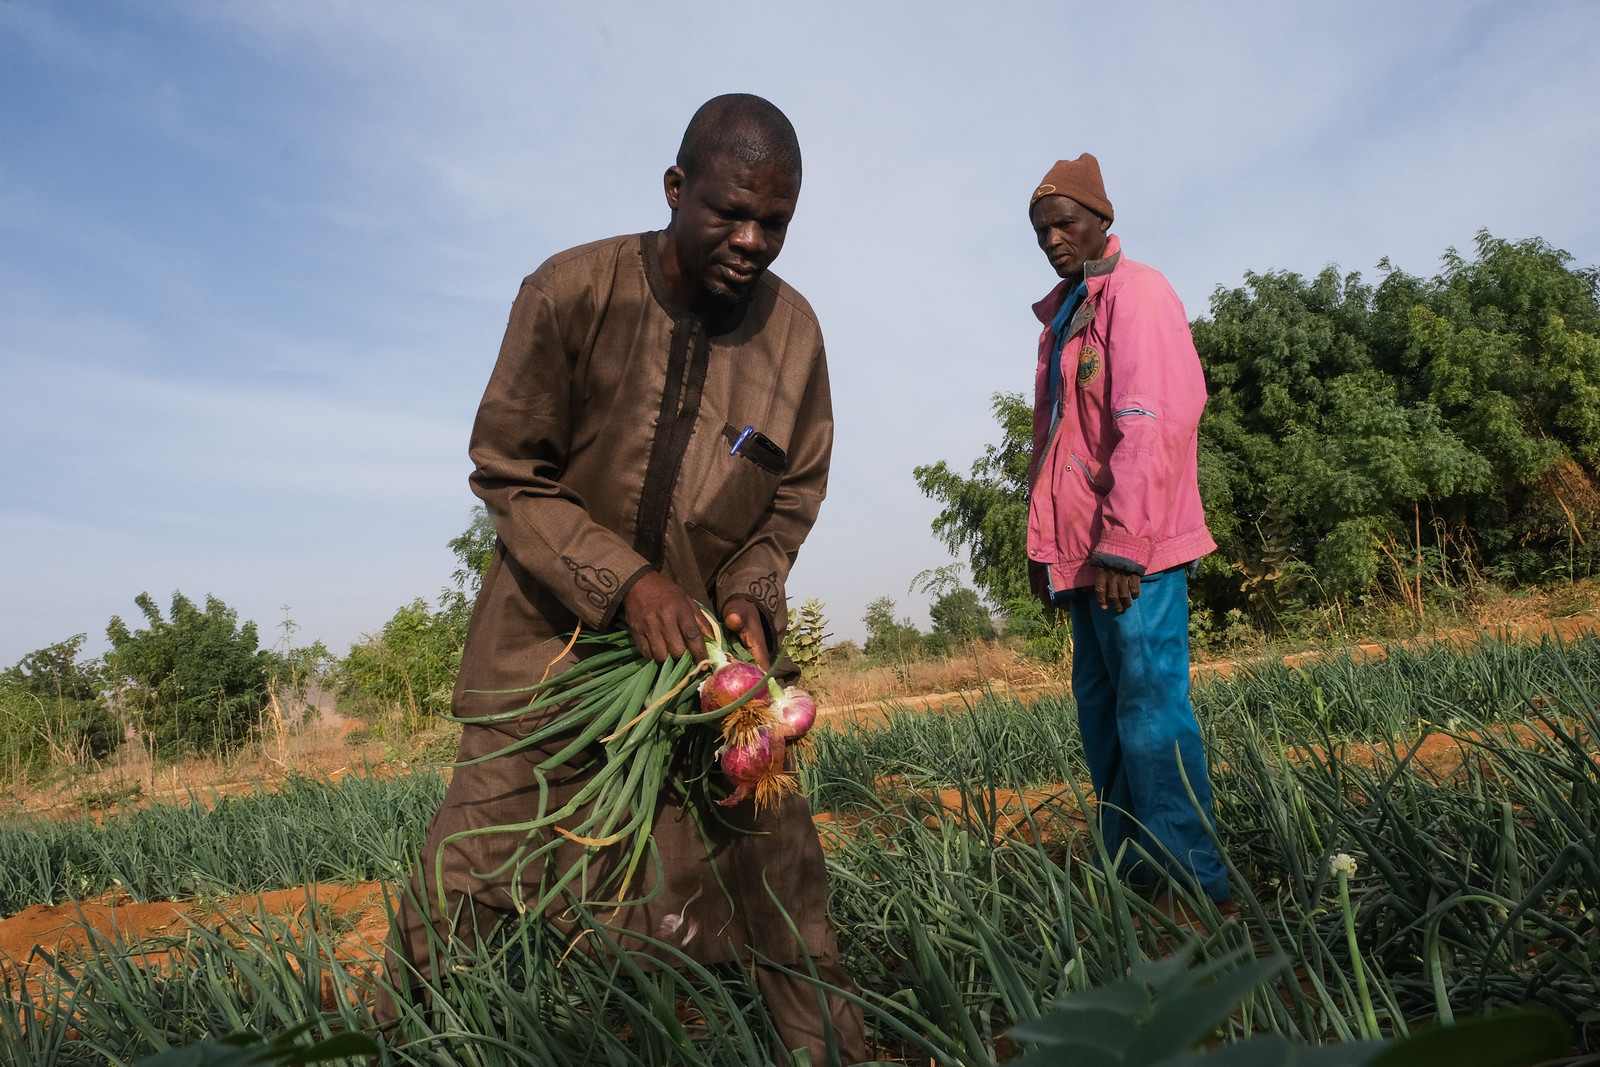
[{"x": 743, "y": 127}]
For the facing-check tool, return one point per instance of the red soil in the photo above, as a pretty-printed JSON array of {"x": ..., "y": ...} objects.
[{"x": 64, "y": 930}]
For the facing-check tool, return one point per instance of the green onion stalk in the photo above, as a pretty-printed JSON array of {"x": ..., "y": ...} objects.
[{"x": 1344, "y": 865}]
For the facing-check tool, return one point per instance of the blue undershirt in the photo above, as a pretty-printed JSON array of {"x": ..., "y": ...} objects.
[{"x": 1058, "y": 330}]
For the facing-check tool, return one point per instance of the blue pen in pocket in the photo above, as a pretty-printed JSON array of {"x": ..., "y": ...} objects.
[{"x": 744, "y": 436}]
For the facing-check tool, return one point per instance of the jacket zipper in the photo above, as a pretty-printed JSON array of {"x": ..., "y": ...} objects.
[{"x": 1085, "y": 469}]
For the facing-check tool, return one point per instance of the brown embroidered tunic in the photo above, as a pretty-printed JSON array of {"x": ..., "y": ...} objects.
[{"x": 604, "y": 447}]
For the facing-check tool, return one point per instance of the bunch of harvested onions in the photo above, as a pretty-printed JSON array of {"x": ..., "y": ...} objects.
[{"x": 644, "y": 717}]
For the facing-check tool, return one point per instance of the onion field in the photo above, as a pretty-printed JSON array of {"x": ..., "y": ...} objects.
[{"x": 1463, "y": 783}]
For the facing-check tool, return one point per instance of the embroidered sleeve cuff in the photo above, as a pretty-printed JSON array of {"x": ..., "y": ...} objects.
[
  {"x": 763, "y": 589},
  {"x": 593, "y": 584},
  {"x": 620, "y": 595}
]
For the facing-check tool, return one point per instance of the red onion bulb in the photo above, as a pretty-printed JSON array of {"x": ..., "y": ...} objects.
[
  {"x": 797, "y": 709},
  {"x": 728, "y": 683}
]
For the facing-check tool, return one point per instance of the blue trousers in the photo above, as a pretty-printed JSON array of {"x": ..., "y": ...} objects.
[{"x": 1130, "y": 677}]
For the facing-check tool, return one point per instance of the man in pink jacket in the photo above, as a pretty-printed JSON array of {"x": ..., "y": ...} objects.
[{"x": 1115, "y": 521}]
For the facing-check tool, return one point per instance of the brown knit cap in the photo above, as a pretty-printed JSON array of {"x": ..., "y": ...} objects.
[{"x": 1080, "y": 179}]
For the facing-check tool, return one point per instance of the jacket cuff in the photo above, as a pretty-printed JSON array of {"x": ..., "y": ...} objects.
[
  {"x": 1115, "y": 563},
  {"x": 1122, "y": 553}
]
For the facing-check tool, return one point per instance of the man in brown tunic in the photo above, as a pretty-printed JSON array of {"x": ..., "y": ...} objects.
[{"x": 612, "y": 453}]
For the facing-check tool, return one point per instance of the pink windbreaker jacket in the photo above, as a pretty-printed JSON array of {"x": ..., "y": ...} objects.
[{"x": 1117, "y": 480}]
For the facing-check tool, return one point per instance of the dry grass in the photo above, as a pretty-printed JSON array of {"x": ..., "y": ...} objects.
[
  {"x": 324, "y": 746},
  {"x": 995, "y": 664}
]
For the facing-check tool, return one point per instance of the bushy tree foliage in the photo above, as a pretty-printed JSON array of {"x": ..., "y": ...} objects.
[
  {"x": 56, "y": 672},
  {"x": 474, "y": 551},
  {"x": 193, "y": 682},
  {"x": 957, "y": 612},
  {"x": 1363, "y": 437},
  {"x": 52, "y": 710},
  {"x": 961, "y": 615},
  {"x": 412, "y": 662}
]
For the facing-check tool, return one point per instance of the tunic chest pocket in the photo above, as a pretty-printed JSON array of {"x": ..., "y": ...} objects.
[{"x": 732, "y": 490}]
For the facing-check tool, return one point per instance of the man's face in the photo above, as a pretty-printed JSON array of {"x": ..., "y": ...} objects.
[
  {"x": 1069, "y": 233},
  {"x": 729, "y": 221}
]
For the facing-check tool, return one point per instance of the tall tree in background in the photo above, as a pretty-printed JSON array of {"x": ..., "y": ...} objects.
[
  {"x": 987, "y": 512},
  {"x": 52, "y": 711},
  {"x": 958, "y": 615},
  {"x": 890, "y": 640},
  {"x": 474, "y": 550},
  {"x": 195, "y": 681},
  {"x": 1509, "y": 347},
  {"x": 1359, "y": 437}
]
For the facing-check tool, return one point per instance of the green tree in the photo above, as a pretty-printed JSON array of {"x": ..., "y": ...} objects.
[
  {"x": 987, "y": 512},
  {"x": 474, "y": 551},
  {"x": 57, "y": 672},
  {"x": 961, "y": 615},
  {"x": 890, "y": 640},
  {"x": 957, "y": 613},
  {"x": 194, "y": 682},
  {"x": 1508, "y": 345},
  {"x": 1359, "y": 436},
  {"x": 412, "y": 662},
  {"x": 52, "y": 711}
]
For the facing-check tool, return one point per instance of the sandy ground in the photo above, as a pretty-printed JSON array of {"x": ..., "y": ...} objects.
[{"x": 35, "y": 937}]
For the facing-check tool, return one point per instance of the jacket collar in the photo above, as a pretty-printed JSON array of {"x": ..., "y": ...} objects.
[{"x": 1045, "y": 310}]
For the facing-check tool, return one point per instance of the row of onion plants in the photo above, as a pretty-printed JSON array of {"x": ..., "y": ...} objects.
[{"x": 1402, "y": 880}]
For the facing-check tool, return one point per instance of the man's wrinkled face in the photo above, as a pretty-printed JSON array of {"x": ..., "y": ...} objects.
[
  {"x": 1070, "y": 235},
  {"x": 730, "y": 219}
]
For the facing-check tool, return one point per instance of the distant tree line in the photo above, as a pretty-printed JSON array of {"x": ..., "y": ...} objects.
[{"x": 192, "y": 680}]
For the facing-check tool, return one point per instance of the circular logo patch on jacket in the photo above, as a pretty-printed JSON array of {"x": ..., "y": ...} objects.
[{"x": 1088, "y": 365}]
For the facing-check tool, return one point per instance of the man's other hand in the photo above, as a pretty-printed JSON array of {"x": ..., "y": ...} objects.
[
  {"x": 664, "y": 622},
  {"x": 1115, "y": 590},
  {"x": 741, "y": 616}
]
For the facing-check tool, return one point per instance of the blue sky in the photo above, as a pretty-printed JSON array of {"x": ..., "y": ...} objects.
[{"x": 256, "y": 257}]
